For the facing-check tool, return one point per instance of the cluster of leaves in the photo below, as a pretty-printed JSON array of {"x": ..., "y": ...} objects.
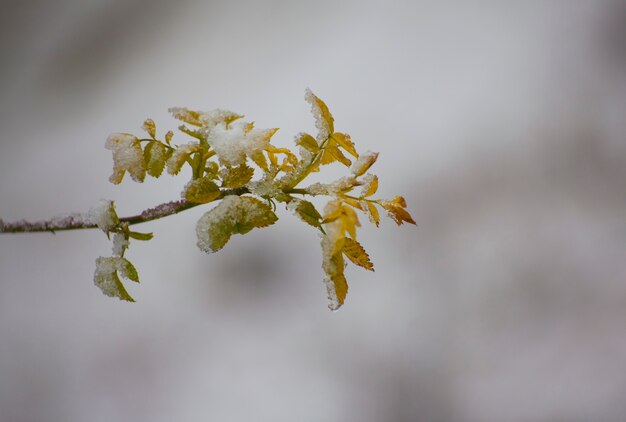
[{"x": 224, "y": 155}]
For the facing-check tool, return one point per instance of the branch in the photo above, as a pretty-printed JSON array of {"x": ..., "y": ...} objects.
[{"x": 78, "y": 221}]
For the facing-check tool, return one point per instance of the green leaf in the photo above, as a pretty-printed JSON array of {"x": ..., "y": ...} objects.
[
  {"x": 140, "y": 236},
  {"x": 234, "y": 215},
  {"x": 201, "y": 191},
  {"x": 154, "y": 155},
  {"x": 106, "y": 276},
  {"x": 307, "y": 212}
]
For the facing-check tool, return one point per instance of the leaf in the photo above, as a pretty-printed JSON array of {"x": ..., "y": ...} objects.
[
  {"x": 107, "y": 279},
  {"x": 141, "y": 236},
  {"x": 343, "y": 140},
  {"x": 127, "y": 156},
  {"x": 396, "y": 210},
  {"x": 150, "y": 127},
  {"x": 201, "y": 191},
  {"x": 307, "y": 212},
  {"x": 371, "y": 211},
  {"x": 324, "y": 121},
  {"x": 155, "y": 155},
  {"x": 180, "y": 156},
  {"x": 259, "y": 160},
  {"x": 188, "y": 116},
  {"x": 363, "y": 163},
  {"x": 168, "y": 136},
  {"x": 355, "y": 253},
  {"x": 370, "y": 186},
  {"x": 307, "y": 142},
  {"x": 234, "y": 215},
  {"x": 332, "y": 154},
  {"x": 236, "y": 177}
]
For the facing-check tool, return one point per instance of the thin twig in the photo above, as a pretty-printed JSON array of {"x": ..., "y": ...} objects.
[{"x": 78, "y": 222}]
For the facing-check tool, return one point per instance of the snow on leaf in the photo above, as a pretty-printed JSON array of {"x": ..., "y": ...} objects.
[
  {"x": 150, "y": 127},
  {"x": 180, "y": 155},
  {"x": 127, "y": 156},
  {"x": 120, "y": 244},
  {"x": 324, "y": 121},
  {"x": 356, "y": 253},
  {"x": 363, "y": 163},
  {"x": 155, "y": 154},
  {"x": 234, "y": 215},
  {"x": 371, "y": 211},
  {"x": 308, "y": 142},
  {"x": 103, "y": 215},
  {"x": 234, "y": 142},
  {"x": 201, "y": 191},
  {"x": 107, "y": 279},
  {"x": 185, "y": 115},
  {"x": 370, "y": 185},
  {"x": 396, "y": 210}
]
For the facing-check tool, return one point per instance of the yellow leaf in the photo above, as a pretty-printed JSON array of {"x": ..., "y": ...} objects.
[
  {"x": 371, "y": 211},
  {"x": 168, "y": 136},
  {"x": 364, "y": 162},
  {"x": 332, "y": 153},
  {"x": 355, "y": 253},
  {"x": 201, "y": 191},
  {"x": 259, "y": 160},
  {"x": 341, "y": 288},
  {"x": 323, "y": 119},
  {"x": 150, "y": 127},
  {"x": 308, "y": 142},
  {"x": 370, "y": 186},
  {"x": 343, "y": 140},
  {"x": 188, "y": 116},
  {"x": 353, "y": 203},
  {"x": 236, "y": 177},
  {"x": 396, "y": 210}
]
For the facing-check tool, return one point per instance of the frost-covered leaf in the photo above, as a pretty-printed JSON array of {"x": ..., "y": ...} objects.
[
  {"x": 370, "y": 185},
  {"x": 103, "y": 215},
  {"x": 155, "y": 154},
  {"x": 181, "y": 154},
  {"x": 127, "y": 156},
  {"x": 396, "y": 210},
  {"x": 107, "y": 279},
  {"x": 120, "y": 244},
  {"x": 306, "y": 211},
  {"x": 356, "y": 253},
  {"x": 371, "y": 211},
  {"x": 333, "y": 265},
  {"x": 186, "y": 115},
  {"x": 234, "y": 142},
  {"x": 323, "y": 119},
  {"x": 201, "y": 191},
  {"x": 234, "y": 215},
  {"x": 236, "y": 177},
  {"x": 343, "y": 140},
  {"x": 363, "y": 163},
  {"x": 308, "y": 142},
  {"x": 150, "y": 127}
]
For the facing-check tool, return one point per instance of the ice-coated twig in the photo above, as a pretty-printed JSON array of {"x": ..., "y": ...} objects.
[{"x": 78, "y": 221}]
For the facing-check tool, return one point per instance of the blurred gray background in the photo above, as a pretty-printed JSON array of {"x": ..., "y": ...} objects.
[{"x": 503, "y": 123}]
